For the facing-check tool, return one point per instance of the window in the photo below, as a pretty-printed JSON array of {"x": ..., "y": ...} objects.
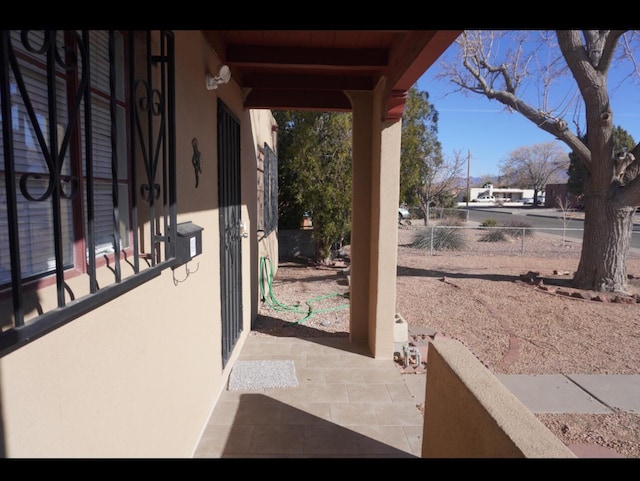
[
  {"x": 81, "y": 121},
  {"x": 270, "y": 198},
  {"x": 33, "y": 171}
]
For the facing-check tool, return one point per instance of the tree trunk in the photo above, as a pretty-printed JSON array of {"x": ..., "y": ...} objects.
[
  {"x": 425, "y": 211},
  {"x": 323, "y": 252},
  {"x": 607, "y": 239}
]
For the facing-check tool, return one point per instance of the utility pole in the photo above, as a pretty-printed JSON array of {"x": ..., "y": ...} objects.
[{"x": 468, "y": 173}]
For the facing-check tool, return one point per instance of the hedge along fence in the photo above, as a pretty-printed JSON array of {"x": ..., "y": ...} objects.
[
  {"x": 440, "y": 213},
  {"x": 498, "y": 240}
]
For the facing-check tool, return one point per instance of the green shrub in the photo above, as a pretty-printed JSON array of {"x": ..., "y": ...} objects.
[
  {"x": 489, "y": 223},
  {"x": 494, "y": 235},
  {"x": 442, "y": 237}
]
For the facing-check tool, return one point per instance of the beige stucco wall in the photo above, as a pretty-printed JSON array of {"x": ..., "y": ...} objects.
[
  {"x": 139, "y": 376},
  {"x": 264, "y": 131}
]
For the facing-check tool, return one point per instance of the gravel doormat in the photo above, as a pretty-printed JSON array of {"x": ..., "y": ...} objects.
[{"x": 250, "y": 375}]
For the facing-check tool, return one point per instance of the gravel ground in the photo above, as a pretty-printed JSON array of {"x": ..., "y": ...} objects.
[{"x": 479, "y": 297}]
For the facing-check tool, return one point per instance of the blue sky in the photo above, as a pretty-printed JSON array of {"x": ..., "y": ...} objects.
[{"x": 489, "y": 133}]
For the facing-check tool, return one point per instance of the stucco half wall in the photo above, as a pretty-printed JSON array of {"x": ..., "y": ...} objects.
[{"x": 469, "y": 413}]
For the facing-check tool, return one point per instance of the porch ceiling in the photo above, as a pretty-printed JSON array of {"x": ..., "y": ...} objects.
[{"x": 311, "y": 69}]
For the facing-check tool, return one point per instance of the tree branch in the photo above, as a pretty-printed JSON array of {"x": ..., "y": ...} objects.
[
  {"x": 576, "y": 57},
  {"x": 631, "y": 192},
  {"x": 557, "y": 128},
  {"x": 595, "y": 40},
  {"x": 609, "y": 49}
]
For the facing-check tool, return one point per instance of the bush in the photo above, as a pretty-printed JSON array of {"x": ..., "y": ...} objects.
[
  {"x": 442, "y": 237},
  {"x": 517, "y": 233},
  {"x": 451, "y": 220},
  {"x": 494, "y": 235},
  {"x": 443, "y": 214},
  {"x": 489, "y": 223}
]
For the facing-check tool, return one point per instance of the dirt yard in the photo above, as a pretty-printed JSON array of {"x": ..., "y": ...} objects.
[{"x": 516, "y": 313}]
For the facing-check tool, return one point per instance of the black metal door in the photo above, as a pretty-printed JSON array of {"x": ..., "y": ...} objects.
[{"x": 230, "y": 237}]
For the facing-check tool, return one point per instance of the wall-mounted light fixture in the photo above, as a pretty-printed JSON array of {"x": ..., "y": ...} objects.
[{"x": 222, "y": 77}]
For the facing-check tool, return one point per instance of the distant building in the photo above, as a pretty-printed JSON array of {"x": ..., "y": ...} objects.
[
  {"x": 559, "y": 193},
  {"x": 501, "y": 194}
]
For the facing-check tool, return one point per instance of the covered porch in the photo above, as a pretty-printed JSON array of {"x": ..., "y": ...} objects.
[{"x": 367, "y": 73}]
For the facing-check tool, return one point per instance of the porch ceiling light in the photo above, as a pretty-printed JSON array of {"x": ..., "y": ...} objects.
[{"x": 222, "y": 77}]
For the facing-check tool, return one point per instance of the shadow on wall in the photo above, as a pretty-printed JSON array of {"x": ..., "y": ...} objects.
[{"x": 296, "y": 243}]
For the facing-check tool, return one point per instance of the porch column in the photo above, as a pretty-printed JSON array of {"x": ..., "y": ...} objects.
[
  {"x": 374, "y": 224},
  {"x": 387, "y": 185}
]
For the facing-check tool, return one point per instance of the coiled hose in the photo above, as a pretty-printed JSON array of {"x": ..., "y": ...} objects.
[{"x": 266, "y": 274}]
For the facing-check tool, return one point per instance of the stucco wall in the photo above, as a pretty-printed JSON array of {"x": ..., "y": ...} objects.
[
  {"x": 469, "y": 413},
  {"x": 264, "y": 130},
  {"x": 139, "y": 376}
]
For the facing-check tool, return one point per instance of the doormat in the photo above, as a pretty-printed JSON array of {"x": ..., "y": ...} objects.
[{"x": 251, "y": 375}]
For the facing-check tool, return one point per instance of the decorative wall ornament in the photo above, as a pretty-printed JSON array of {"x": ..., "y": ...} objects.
[{"x": 196, "y": 160}]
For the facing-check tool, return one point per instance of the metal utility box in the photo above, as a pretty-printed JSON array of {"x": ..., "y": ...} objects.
[{"x": 188, "y": 242}]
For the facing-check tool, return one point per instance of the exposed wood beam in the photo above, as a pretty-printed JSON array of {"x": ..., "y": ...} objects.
[
  {"x": 297, "y": 100},
  {"x": 410, "y": 58},
  {"x": 415, "y": 53},
  {"x": 395, "y": 104},
  {"x": 321, "y": 58},
  {"x": 316, "y": 82}
]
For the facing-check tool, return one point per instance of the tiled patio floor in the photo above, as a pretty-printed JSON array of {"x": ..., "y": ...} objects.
[{"x": 346, "y": 404}]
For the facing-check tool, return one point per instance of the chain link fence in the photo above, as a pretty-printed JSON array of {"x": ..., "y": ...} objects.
[
  {"x": 439, "y": 214},
  {"x": 498, "y": 240}
]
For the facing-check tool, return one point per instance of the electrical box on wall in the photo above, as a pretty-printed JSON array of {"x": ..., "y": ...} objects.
[{"x": 188, "y": 242}]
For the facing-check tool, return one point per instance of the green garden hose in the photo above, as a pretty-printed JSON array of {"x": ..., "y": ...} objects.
[{"x": 271, "y": 300}]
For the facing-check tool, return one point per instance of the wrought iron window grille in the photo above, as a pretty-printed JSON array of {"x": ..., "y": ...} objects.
[{"x": 88, "y": 128}]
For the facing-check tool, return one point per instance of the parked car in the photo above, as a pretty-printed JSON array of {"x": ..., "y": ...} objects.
[
  {"x": 403, "y": 213},
  {"x": 484, "y": 198}
]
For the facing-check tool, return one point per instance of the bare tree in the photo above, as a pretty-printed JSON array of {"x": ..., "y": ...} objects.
[
  {"x": 534, "y": 166},
  {"x": 565, "y": 206},
  {"x": 612, "y": 186},
  {"x": 488, "y": 179},
  {"x": 441, "y": 177}
]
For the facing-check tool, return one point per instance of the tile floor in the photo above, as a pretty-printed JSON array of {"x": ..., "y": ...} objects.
[{"x": 346, "y": 405}]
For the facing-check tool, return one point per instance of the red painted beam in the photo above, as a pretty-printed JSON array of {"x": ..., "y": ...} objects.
[
  {"x": 277, "y": 99},
  {"x": 321, "y": 58},
  {"x": 303, "y": 81}
]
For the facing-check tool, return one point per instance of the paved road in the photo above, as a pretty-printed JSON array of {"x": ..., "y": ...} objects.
[{"x": 541, "y": 218}]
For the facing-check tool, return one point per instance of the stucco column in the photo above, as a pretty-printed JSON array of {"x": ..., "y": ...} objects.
[
  {"x": 361, "y": 215},
  {"x": 374, "y": 224},
  {"x": 386, "y": 185}
]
